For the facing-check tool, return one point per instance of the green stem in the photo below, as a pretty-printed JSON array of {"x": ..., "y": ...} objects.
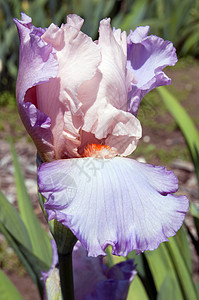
[{"x": 66, "y": 275}]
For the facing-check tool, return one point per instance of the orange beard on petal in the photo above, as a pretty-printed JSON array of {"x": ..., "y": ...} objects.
[{"x": 98, "y": 151}]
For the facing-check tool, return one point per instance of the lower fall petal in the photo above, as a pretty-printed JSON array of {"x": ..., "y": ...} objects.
[{"x": 118, "y": 202}]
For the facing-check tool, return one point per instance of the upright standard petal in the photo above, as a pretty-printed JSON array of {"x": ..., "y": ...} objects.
[
  {"x": 37, "y": 64},
  {"x": 54, "y": 62},
  {"x": 78, "y": 58},
  {"x": 146, "y": 57},
  {"x": 118, "y": 202},
  {"x": 104, "y": 97}
]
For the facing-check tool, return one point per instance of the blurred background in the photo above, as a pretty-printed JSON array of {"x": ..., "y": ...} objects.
[{"x": 162, "y": 143}]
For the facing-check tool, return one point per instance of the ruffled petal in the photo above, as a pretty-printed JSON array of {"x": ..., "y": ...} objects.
[
  {"x": 78, "y": 58},
  {"x": 37, "y": 64},
  {"x": 118, "y": 202},
  {"x": 113, "y": 66},
  {"x": 118, "y": 129},
  {"x": 75, "y": 21},
  {"x": 146, "y": 57},
  {"x": 104, "y": 97}
]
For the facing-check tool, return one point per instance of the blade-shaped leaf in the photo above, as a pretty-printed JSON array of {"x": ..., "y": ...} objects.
[
  {"x": 138, "y": 10},
  {"x": 39, "y": 238},
  {"x": 194, "y": 210},
  {"x": 168, "y": 289},
  {"x": 13, "y": 223},
  {"x": 15, "y": 246},
  {"x": 184, "y": 246},
  {"x": 190, "y": 133},
  {"x": 161, "y": 264},
  {"x": 137, "y": 290},
  {"x": 7, "y": 290},
  {"x": 144, "y": 273},
  {"x": 185, "y": 277},
  {"x": 185, "y": 123},
  {"x": 33, "y": 264},
  {"x": 197, "y": 288}
]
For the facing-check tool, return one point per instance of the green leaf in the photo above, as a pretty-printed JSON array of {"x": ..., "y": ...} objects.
[
  {"x": 191, "y": 135},
  {"x": 33, "y": 264},
  {"x": 138, "y": 10},
  {"x": 190, "y": 43},
  {"x": 15, "y": 246},
  {"x": 144, "y": 273},
  {"x": 39, "y": 239},
  {"x": 185, "y": 123},
  {"x": 168, "y": 289},
  {"x": 14, "y": 230},
  {"x": 183, "y": 244},
  {"x": 139, "y": 261},
  {"x": 137, "y": 290},
  {"x": 10, "y": 218},
  {"x": 185, "y": 276},
  {"x": 7, "y": 290},
  {"x": 194, "y": 210},
  {"x": 197, "y": 288},
  {"x": 161, "y": 264}
]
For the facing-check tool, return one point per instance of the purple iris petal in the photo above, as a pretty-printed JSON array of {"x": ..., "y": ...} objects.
[
  {"x": 37, "y": 64},
  {"x": 146, "y": 57},
  {"x": 118, "y": 202},
  {"x": 45, "y": 274},
  {"x": 92, "y": 279},
  {"x": 52, "y": 287},
  {"x": 117, "y": 284},
  {"x": 104, "y": 283}
]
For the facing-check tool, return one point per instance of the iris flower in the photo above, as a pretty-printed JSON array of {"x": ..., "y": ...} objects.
[
  {"x": 78, "y": 100},
  {"x": 93, "y": 280}
]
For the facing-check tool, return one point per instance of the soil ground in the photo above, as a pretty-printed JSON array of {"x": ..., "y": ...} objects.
[{"x": 162, "y": 144}]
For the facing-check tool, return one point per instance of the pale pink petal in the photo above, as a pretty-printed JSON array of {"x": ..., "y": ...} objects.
[
  {"x": 104, "y": 97},
  {"x": 113, "y": 65},
  {"x": 118, "y": 129},
  {"x": 75, "y": 21},
  {"x": 78, "y": 57}
]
